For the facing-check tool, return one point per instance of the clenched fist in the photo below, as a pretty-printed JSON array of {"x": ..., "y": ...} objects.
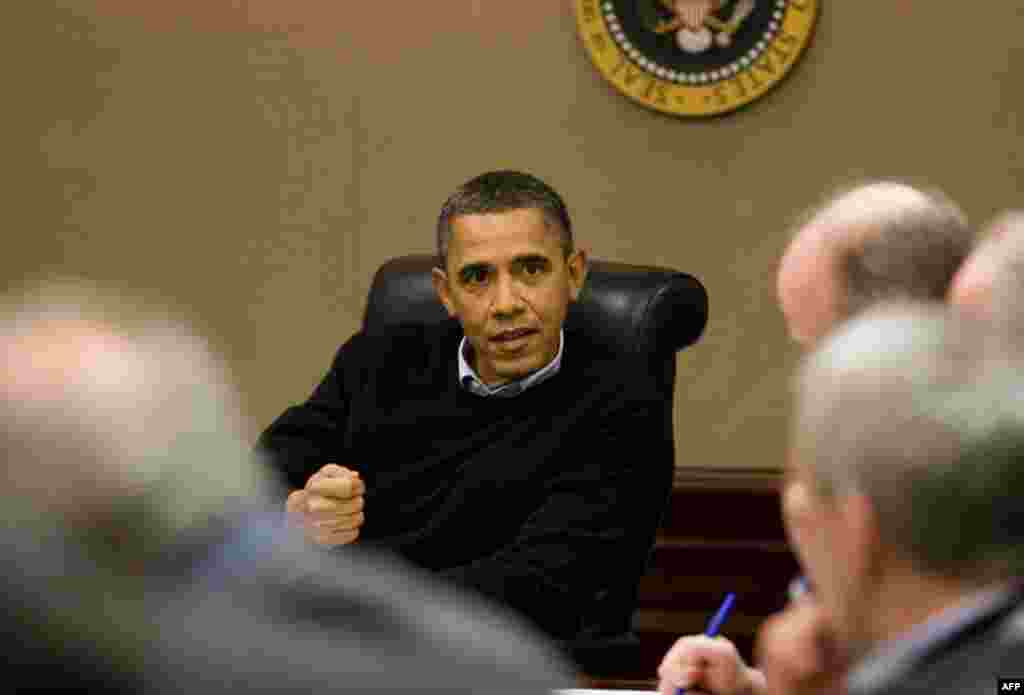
[{"x": 330, "y": 507}]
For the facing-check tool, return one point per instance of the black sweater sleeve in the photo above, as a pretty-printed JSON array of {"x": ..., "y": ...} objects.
[
  {"x": 586, "y": 546},
  {"x": 308, "y": 436}
]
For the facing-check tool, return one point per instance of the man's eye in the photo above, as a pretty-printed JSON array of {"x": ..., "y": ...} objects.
[
  {"x": 475, "y": 276},
  {"x": 534, "y": 268}
]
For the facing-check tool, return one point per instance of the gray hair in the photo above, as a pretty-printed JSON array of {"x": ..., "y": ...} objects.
[
  {"x": 115, "y": 422},
  {"x": 914, "y": 408}
]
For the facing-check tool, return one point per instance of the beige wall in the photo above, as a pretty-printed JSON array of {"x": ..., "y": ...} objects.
[{"x": 254, "y": 166}]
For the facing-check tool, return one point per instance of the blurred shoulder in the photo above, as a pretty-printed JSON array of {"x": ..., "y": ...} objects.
[{"x": 368, "y": 620}]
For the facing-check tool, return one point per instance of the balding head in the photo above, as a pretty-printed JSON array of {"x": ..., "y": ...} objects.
[
  {"x": 883, "y": 240},
  {"x": 853, "y": 215},
  {"x": 126, "y": 429}
]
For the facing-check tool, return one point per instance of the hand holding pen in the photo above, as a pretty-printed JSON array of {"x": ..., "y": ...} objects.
[
  {"x": 715, "y": 624},
  {"x": 705, "y": 663}
]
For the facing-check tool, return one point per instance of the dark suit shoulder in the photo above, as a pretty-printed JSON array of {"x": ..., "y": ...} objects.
[
  {"x": 407, "y": 340},
  {"x": 397, "y": 349}
]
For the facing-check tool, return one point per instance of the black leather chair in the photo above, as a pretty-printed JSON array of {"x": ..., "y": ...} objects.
[{"x": 653, "y": 311}]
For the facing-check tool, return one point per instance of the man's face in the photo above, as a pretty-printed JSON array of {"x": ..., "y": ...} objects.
[
  {"x": 971, "y": 290},
  {"x": 826, "y": 534},
  {"x": 509, "y": 285},
  {"x": 808, "y": 287}
]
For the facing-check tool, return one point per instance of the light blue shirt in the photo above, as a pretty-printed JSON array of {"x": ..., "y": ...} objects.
[{"x": 470, "y": 380}]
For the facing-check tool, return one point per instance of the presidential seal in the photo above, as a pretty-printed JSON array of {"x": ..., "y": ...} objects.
[{"x": 695, "y": 57}]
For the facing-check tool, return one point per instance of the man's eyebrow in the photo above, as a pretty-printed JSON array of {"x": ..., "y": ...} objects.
[{"x": 531, "y": 258}]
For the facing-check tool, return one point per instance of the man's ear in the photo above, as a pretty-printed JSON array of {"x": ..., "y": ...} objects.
[
  {"x": 863, "y": 543},
  {"x": 577, "y": 265},
  {"x": 440, "y": 280}
]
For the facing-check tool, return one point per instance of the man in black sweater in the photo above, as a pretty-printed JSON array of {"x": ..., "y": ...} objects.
[{"x": 505, "y": 449}]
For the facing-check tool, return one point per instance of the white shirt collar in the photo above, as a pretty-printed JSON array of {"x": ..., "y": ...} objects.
[{"x": 471, "y": 381}]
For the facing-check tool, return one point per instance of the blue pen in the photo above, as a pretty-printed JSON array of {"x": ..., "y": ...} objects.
[
  {"x": 799, "y": 588},
  {"x": 716, "y": 623}
]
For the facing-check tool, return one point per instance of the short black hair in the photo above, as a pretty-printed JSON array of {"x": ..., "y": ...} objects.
[{"x": 502, "y": 191}]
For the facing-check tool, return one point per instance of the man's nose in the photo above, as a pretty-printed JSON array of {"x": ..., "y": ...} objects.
[{"x": 507, "y": 299}]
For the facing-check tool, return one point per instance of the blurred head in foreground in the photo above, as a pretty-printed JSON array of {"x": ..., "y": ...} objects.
[
  {"x": 904, "y": 486},
  {"x": 120, "y": 435},
  {"x": 116, "y": 423},
  {"x": 128, "y": 565}
]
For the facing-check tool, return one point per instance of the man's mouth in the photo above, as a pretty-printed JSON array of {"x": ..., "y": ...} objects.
[{"x": 508, "y": 336}]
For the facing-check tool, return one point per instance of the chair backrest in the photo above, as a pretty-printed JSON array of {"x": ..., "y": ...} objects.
[{"x": 652, "y": 311}]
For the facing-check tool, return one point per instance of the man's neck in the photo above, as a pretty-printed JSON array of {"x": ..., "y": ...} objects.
[
  {"x": 911, "y": 619},
  {"x": 908, "y": 600}
]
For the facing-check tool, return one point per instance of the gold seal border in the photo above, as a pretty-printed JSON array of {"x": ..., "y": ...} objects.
[{"x": 750, "y": 84}]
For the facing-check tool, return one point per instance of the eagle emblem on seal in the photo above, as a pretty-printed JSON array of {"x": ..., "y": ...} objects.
[{"x": 697, "y": 24}]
